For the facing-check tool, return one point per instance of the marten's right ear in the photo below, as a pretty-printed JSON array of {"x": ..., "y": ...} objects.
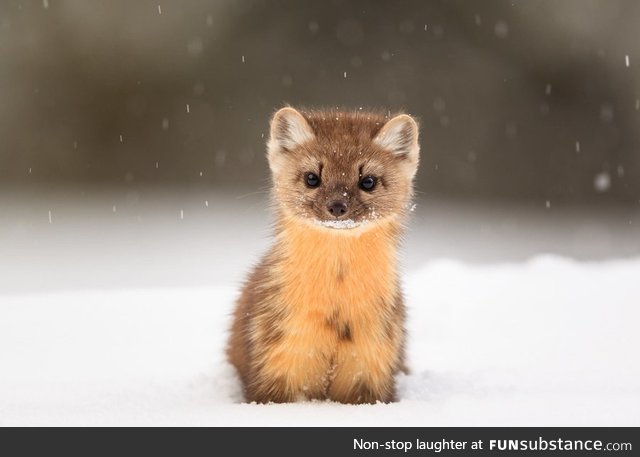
[{"x": 288, "y": 130}]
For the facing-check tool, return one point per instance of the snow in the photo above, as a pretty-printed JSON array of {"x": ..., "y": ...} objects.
[
  {"x": 501, "y": 29},
  {"x": 548, "y": 342},
  {"x": 120, "y": 318},
  {"x": 342, "y": 224},
  {"x": 602, "y": 182}
]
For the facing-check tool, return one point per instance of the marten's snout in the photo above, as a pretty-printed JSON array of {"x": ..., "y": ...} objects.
[{"x": 337, "y": 208}]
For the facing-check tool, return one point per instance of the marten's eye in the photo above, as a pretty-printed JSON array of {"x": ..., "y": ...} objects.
[
  {"x": 368, "y": 183},
  {"x": 312, "y": 179}
]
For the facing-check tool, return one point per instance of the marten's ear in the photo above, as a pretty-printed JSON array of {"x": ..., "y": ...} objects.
[
  {"x": 400, "y": 137},
  {"x": 288, "y": 130}
]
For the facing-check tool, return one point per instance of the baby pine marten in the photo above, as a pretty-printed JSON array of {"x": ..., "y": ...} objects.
[{"x": 322, "y": 315}]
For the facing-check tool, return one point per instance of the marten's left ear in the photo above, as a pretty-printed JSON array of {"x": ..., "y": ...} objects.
[
  {"x": 400, "y": 137},
  {"x": 289, "y": 129}
]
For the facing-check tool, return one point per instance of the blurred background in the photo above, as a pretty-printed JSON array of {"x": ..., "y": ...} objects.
[{"x": 132, "y": 133}]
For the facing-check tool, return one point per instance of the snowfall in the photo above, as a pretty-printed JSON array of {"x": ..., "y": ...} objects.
[{"x": 114, "y": 309}]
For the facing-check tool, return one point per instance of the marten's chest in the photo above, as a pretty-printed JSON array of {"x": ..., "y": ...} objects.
[
  {"x": 338, "y": 277},
  {"x": 337, "y": 321}
]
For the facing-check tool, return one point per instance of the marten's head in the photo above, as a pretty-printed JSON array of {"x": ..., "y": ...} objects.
[{"x": 342, "y": 170}]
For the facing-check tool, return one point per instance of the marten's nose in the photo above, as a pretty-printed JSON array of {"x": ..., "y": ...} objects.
[{"x": 337, "y": 208}]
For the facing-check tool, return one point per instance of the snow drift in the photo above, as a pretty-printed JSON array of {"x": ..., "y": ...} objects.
[{"x": 547, "y": 342}]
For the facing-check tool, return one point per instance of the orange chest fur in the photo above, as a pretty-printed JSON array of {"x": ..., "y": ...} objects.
[{"x": 327, "y": 273}]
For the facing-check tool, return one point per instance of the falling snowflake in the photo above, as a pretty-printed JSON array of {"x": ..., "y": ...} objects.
[{"x": 602, "y": 182}]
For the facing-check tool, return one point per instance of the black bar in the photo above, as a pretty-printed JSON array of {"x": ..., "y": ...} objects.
[{"x": 324, "y": 442}]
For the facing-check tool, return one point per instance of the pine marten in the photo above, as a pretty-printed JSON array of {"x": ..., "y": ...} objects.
[{"x": 322, "y": 315}]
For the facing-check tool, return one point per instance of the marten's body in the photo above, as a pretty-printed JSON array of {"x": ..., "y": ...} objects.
[{"x": 322, "y": 317}]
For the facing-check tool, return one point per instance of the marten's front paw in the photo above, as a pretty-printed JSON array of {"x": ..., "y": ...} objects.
[
  {"x": 363, "y": 393},
  {"x": 269, "y": 391}
]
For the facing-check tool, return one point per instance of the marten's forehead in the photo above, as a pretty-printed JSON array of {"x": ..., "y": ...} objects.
[
  {"x": 342, "y": 149},
  {"x": 343, "y": 142},
  {"x": 345, "y": 158},
  {"x": 340, "y": 126}
]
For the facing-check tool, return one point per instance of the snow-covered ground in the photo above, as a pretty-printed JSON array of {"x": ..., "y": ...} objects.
[{"x": 119, "y": 318}]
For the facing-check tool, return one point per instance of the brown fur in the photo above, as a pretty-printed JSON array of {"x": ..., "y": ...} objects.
[{"x": 322, "y": 315}]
